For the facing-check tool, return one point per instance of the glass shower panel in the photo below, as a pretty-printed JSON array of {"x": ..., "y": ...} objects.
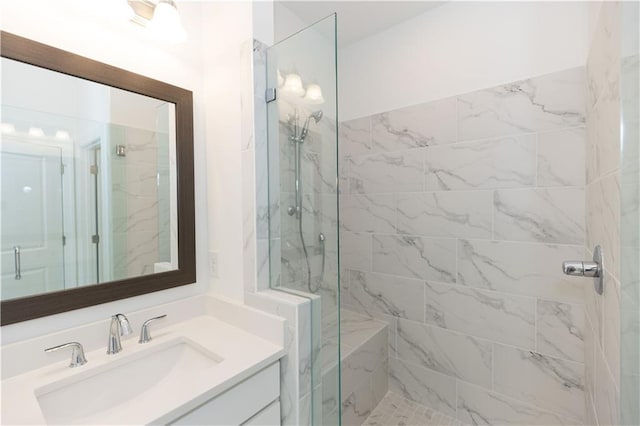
[
  {"x": 630, "y": 217},
  {"x": 303, "y": 231}
]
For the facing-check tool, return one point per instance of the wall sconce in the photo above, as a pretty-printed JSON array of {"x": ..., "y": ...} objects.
[{"x": 160, "y": 18}]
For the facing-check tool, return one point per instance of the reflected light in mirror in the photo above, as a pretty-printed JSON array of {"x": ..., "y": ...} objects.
[
  {"x": 314, "y": 95},
  {"x": 63, "y": 135},
  {"x": 36, "y": 132},
  {"x": 293, "y": 85},
  {"x": 7, "y": 128}
]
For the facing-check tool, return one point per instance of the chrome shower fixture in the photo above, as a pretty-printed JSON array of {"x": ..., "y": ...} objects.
[
  {"x": 317, "y": 116},
  {"x": 298, "y": 139}
]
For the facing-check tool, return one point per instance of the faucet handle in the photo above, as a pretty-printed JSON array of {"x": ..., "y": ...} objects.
[
  {"x": 77, "y": 354},
  {"x": 145, "y": 335}
]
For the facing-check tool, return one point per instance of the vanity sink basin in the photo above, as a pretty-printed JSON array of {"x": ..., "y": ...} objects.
[{"x": 107, "y": 393}]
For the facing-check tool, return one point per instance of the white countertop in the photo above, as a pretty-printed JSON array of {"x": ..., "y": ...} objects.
[{"x": 243, "y": 354}]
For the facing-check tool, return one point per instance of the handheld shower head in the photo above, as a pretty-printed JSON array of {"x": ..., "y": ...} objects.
[{"x": 317, "y": 116}]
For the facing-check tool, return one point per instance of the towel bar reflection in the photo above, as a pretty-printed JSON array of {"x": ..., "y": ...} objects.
[{"x": 16, "y": 261}]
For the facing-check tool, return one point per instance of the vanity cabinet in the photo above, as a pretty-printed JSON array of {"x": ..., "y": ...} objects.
[{"x": 254, "y": 401}]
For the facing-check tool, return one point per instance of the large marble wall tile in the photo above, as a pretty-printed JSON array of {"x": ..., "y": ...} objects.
[
  {"x": 508, "y": 162},
  {"x": 249, "y": 254},
  {"x": 355, "y": 136},
  {"x": 603, "y": 220},
  {"x": 603, "y": 124},
  {"x": 359, "y": 365},
  {"x": 604, "y": 55},
  {"x": 590, "y": 345},
  {"x": 368, "y": 213},
  {"x": 422, "y": 385},
  {"x": 611, "y": 330},
  {"x": 542, "y": 103},
  {"x": 387, "y": 172},
  {"x": 330, "y": 390},
  {"x": 561, "y": 157},
  {"x": 496, "y": 316},
  {"x": 593, "y": 305},
  {"x": 560, "y": 330},
  {"x": 529, "y": 269},
  {"x": 432, "y": 123},
  {"x": 357, "y": 406},
  {"x": 554, "y": 215},
  {"x": 344, "y": 164},
  {"x": 380, "y": 381},
  {"x": 480, "y": 406},
  {"x": 629, "y": 397},
  {"x": 373, "y": 294},
  {"x": 356, "y": 328},
  {"x": 392, "y": 327},
  {"x": 607, "y": 393},
  {"x": 446, "y": 214},
  {"x": 415, "y": 257},
  {"x": 546, "y": 382},
  {"x": 355, "y": 250},
  {"x": 444, "y": 351}
]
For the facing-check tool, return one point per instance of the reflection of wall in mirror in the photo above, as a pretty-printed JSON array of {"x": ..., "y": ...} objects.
[{"x": 140, "y": 189}]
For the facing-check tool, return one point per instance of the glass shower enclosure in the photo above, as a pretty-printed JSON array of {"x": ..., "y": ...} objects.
[{"x": 303, "y": 190}]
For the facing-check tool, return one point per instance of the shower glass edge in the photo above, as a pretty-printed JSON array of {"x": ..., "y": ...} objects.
[{"x": 302, "y": 129}]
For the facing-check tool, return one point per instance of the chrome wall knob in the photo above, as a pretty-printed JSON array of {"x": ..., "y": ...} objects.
[
  {"x": 581, "y": 269},
  {"x": 590, "y": 269}
]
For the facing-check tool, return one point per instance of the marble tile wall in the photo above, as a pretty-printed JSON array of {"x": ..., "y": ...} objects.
[
  {"x": 135, "y": 198},
  {"x": 455, "y": 218},
  {"x": 603, "y": 218}
]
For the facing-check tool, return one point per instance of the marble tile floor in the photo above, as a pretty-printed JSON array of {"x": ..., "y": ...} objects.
[{"x": 395, "y": 410}]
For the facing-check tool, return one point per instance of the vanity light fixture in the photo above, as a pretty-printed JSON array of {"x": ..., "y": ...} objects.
[
  {"x": 161, "y": 19},
  {"x": 313, "y": 96},
  {"x": 36, "y": 132},
  {"x": 122, "y": 10},
  {"x": 62, "y": 135},
  {"x": 293, "y": 85},
  {"x": 7, "y": 128}
]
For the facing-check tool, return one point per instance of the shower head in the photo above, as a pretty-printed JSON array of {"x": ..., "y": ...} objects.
[{"x": 317, "y": 116}]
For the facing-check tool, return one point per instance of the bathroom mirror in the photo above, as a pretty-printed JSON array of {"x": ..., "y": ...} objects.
[{"x": 97, "y": 195}]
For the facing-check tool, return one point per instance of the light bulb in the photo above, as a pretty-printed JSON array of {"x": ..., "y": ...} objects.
[
  {"x": 314, "y": 95},
  {"x": 36, "y": 132},
  {"x": 293, "y": 85},
  {"x": 62, "y": 135},
  {"x": 165, "y": 25},
  {"x": 121, "y": 10},
  {"x": 8, "y": 128}
]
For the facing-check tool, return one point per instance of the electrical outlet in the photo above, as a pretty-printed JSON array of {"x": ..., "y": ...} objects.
[{"x": 213, "y": 264}]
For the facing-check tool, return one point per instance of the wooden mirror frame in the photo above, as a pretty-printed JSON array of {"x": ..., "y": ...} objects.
[{"x": 51, "y": 58}]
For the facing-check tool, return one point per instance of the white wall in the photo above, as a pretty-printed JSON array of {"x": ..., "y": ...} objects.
[
  {"x": 228, "y": 26},
  {"x": 457, "y": 48},
  {"x": 83, "y": 27}
]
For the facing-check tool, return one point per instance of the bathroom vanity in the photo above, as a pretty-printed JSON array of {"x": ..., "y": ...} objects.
[{"x": 198, "y": 370}]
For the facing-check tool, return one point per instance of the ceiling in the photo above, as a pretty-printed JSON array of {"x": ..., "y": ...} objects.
[{"x": 359, "y": 19}]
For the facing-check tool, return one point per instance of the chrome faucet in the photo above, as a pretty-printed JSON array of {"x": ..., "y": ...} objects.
[{"x": 119, "y": 327}]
